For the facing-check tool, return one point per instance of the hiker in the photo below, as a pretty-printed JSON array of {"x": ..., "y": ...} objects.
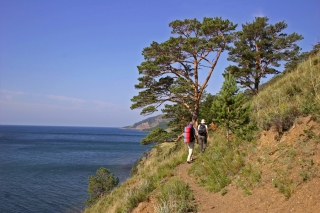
[
  {"x": 189, "y": 138},
  {"x": 202, "y": 135}
]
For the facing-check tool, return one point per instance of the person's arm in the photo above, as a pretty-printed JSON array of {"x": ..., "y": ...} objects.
[
  {"x": 207, "y": 129},
  {"x": 196, "y": 134}
]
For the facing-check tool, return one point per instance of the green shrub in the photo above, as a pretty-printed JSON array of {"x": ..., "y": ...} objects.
[
  {"x": 285, "y": 120},
  {"x": 176, "y": 196},
  {"x": 100, "y": 185}
]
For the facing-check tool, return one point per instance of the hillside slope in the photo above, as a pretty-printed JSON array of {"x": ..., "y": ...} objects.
[
  {"x": 266, "y": 197},
  {"x": 278, "y": 171}
]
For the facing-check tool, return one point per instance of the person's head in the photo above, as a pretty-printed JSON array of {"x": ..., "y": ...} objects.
[
  {"x": 203, "y": 121},
  {"x": 191, "y": 123}
]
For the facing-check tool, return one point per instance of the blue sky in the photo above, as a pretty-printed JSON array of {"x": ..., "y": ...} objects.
[{"x": 74, "y": 62}]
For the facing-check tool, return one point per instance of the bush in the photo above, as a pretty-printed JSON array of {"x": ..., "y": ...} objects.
[
  {"x": 283, "y": 122},
  {"x": 100, "y": 185},
  {"x": 176, "y": 196}
]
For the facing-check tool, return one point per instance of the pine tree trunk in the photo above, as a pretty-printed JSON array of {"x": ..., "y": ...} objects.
[{"x": 256, "y": 87}]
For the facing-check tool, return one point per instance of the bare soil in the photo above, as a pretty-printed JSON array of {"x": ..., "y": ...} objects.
[{"x": 265, "y": 198}]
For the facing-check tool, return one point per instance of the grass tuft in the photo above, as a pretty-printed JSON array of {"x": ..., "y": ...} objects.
[{"x": 175, "y": 196}]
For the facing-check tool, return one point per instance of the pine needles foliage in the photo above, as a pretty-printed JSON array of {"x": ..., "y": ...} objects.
[
  {"x": 230, "y": 108},
  {"x": 100, "y": 185}
]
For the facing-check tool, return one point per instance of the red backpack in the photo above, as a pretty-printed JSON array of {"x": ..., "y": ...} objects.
[{"x": 188, "y": 134}]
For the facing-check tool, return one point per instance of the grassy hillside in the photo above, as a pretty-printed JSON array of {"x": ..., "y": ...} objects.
[
  {"x": 280, "y": 161},
  {"x": 153, "y": 171},
  {"x": 288, "y": 96}
]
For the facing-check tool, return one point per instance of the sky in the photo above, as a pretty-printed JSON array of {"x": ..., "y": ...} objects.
[{"x": 74, "y": 62}]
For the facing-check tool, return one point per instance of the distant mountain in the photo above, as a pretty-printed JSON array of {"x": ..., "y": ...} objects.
[{"x": 150, "y": 123}]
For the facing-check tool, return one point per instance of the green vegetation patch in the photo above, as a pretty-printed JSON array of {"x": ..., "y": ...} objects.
[
  {"x": 215, "y": 168},
  {"x": 175, "y": 196},
  {"x": 136, "y": 194},
  {"x": 247, "y": 178}
]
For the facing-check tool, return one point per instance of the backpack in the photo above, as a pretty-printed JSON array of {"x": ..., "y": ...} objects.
[
  {"x": 188, "y": 134},
  {"x": 202, "y": 130}
]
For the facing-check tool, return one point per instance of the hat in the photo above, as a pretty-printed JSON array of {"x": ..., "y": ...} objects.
[{"x": 203, "y": 121}]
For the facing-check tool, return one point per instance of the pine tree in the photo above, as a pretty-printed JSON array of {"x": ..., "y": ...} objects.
[
  {"x": 228, "y": 107},
  {"x": 259, "y": 49},
  {"x": 171, "y": 70},
  {"x": 100, "y": 185},
  {"x": 205, "y": 107},
  {"x": 157, "y": 135}
]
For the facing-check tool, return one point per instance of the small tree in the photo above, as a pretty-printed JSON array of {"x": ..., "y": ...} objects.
[
  {"x": 228, "y": 107},
  {"x": 205, "y": 108},
  {"x": 100, "y": 185},
  {"x": 259, "y": 49}
]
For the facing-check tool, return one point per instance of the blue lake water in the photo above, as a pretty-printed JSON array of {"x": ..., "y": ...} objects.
[{"x": 46, "y": 169}]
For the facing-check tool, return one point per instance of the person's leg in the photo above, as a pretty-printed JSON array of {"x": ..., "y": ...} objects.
[
  {"x": 201, "y": 143},
  {"x": 205, "y": 141},
  {"x": 190, "y": 148}
]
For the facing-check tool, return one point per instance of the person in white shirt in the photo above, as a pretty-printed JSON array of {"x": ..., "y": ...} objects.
[{"x": 202, "y": 135}]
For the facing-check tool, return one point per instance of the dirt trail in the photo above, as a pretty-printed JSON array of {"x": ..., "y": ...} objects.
[
  {"x": 265, "y": 199},
  {"x": 202, "y": 197}
]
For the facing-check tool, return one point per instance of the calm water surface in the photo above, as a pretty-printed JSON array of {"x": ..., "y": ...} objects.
[{"x": 46, "y": 169}]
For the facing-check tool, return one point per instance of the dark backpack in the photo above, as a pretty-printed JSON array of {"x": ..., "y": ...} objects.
[{"x": 202, "y": 130}]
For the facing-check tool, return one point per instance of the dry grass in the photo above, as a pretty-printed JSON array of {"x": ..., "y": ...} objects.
[{"x": 287, "y": 97}]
